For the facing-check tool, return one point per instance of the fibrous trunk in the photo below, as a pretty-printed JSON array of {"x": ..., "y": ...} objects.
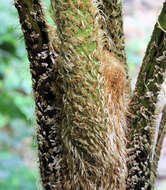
[
  {"x": 143, "y": 109},
  {"x": 79, "y": 87},
  {"x": 93, "y": 152}
]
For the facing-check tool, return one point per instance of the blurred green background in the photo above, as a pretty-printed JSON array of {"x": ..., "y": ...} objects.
[
  {"x": 18, "y": 149},
  {"x": 18, "y": 161}
]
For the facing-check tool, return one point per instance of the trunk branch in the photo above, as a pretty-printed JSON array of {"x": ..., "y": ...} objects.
[
  {"x": 142, "y": 109},
  {"x": 113, "y": 11},
  {"x": 42, "y": 60}
]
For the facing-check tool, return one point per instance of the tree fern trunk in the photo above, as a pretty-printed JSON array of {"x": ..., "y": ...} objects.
[
  {"x": 79, "y": 83},
  {"x": 143, "y": 108},
  {"x": 80, "y": 119},
  {"x": 113, "y": 10},
  {"x": 86, "y": 129}
]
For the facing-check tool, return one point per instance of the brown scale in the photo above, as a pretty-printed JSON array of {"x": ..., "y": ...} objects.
[{"x": 115, "y": 78}]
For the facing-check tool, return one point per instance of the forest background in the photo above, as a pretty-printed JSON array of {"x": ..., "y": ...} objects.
[{"x": 18, "y": 149}]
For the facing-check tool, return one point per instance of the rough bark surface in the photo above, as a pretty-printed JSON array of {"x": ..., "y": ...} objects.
[
  {"x": 113, "y": 10},
  {"x": 41, "y": 65},
  {"x": 80, "y": 119},
  {"x": 88, "y": 131},
  {"x": 142, "y": 109},
  {"x": 79, "y": 84}
]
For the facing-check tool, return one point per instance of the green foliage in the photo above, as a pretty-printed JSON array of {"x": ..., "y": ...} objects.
[
  {"x": 14, "y": 174},
  {"x": 16, "y": 106}
]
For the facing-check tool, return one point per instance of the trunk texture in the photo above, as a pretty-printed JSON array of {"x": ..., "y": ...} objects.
[
  {"x": 79, "y": 89},
  {"x": 80, "y": 82},
  {"x": 143, "y": 110}
]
